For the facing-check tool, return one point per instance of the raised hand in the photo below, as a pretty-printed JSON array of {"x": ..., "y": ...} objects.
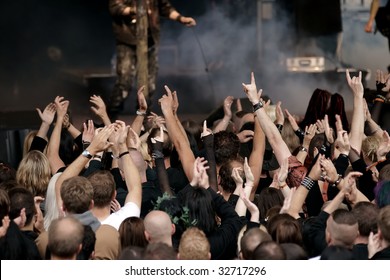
[
  {"x": 251, "y": 90},
  {"x": 316, "y": 172},
  {"x": 62, "y": 106},
  {"x": 342, "y": 142},
  {"x": 47, "y": 116},
  {"x": 279, "y": 113},
  {"x": 115, "y": 206},
  {"x": 88, "y": 131},
  {"x": 206, "y": 131},
  {"x": 329, "y": 170},
  {"x": 355, "y": 83},
  {"x": 142, "y": 104},
  {"x": 98, "y": 105},
  {"x": 133, "y": 140},
  {"x": 292, "y": 120},
  {"x": 328, "y": 130},
  {"x": 159, "y": 138},
  {"x": 4, "y": 226},
  {"x": 227, "y": 106},
  {"x": 39, "y": 221},
  {"x": 245, "y": 136},
  {"x": 100, "y": 141},
  {"x": 175, "y": 105},
  {"x": 248, "y": 173},
  {"x": 166, "y": 101}
]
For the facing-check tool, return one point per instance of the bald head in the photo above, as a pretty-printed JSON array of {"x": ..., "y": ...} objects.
[{"x": 158, "y": 227}]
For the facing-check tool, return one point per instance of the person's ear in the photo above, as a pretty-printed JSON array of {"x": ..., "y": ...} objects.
[
  {"x": 209, "y": 255},
  {"x": 91, "y": 205},
  {"x": 240, "y": 256},
  {"x": 113, "y": 195},
  {"x": 173, "y": 229},
  {"x": 147, "y": 235}
]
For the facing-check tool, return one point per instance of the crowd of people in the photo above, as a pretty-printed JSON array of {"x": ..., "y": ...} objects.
[{"x": 260, "y": 184}]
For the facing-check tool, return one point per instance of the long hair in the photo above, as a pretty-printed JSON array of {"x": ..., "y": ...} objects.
[
  {"x": 34, "y": 173},
  {"x": 337, "y": 107},
  {"x": 317, "y": 107},
  {"x": 201, "y": 210},
  {"x": 131, "y": 233}
]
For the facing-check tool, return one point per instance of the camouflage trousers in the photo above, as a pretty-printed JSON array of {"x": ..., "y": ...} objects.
[{"x": 126, "y": 71}]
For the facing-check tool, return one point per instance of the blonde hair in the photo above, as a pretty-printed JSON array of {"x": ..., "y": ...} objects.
[
  {"x": 369, "y": 147},
  {"x": 34, "y": 173},
  {"x": 194, "y": 245},
  {"x": 289, "y": 136}
]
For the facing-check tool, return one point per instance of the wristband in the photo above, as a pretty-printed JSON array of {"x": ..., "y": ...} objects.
[
  {"x": 335, "y": 184},
  {"x": 97, "y": 156},
  {"x": 279, "y": 126},
  {"x": 157, "y": 155},
  {"x": 123, "y": 154},
  {"x": 308, "y": 183},
  {"x": 257, "y": 106},
  {"x": 299, "y": 132},
  {"x": 178, "y": 18},
  {"x": 139, "y": 113},
  {"x": 303, "y": 149}
]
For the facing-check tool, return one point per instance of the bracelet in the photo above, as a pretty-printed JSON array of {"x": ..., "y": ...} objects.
[
  {"x": 157, "y": 154},
  {"x": 303, "y": 149},
  {"x": 123, "y": 154},
  {"x": 299, "y": 132},
  {"x": 139, "y": 113},
  {"x": 257, "y": 106},
  {"x": 279, "y": 127},
  {"x": 380, "y": 100},
  {"x": 380, "y": 97},
  {"x": 335, "y": 184},
  {"x": 97, "y": 156},
  {"x": 178, "y": 18},
  {"x": 344, "y": 156},
  {"x": 308, "y": 183}
]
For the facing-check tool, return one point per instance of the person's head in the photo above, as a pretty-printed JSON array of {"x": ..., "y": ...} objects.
[
  {"x": 201, "y": 209},
  {"x": 384, "y": 223},
  {"x": 193, "y": 130},
  {"x": 294, "y": 252},
  {"x": 22, "y": 198},
  {"x": 103, "y": 184},
  {"x": 226, "y": 182},
  {"x": 132, "y": 233},
  {"x": 7, "y": 173},
  {"x": 269, "y": 250},
  {"x": 132, "y": 253},
  {"x": 384, "y": 173},
  {"x": 369, "y": 147},
  {"x": 382, "y": 194},
  {"x": 88, "y": 248},
  {"x": 289, "y": 136},
  {"x": 194, "y": 245},
  {"x": 77, "y": 195},
  {"x": 251, "y": 239},
  {"x": 342, "y": 228},
  {"x": 167, "y": 145},
  {"x": 158, "y": 227},
  {"x": 226, "y": 146},
  {"x": 65, "y": 238},
  {"x": 285, "y": 229},
  {"x": 366, "y": 214},
  {"x": 159, "y": 251},
  {"x": 268, "y": 198},
  {"x": 336, "y": 252},
  {"x": 240, "y": 118},
  {"x": 317, "y": 107},
  {"x": 337, "y": 107},
  {"x": 34, "y": 173}
]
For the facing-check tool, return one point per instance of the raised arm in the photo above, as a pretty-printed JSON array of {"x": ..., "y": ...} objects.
[
  {"x": 47, "y": 117},
  {"x": 227, "y": 110},
  {"x": 141, "y": 111},
  {"x": 99, "y": 108},
  {"x": 98, "y": 144},
  {"x": 357, "y": 124},
  {"x": 256, "y": 157},
  {"x": 270, "y": 130},
  {"x": 54, "y": 144},
  {"x": 179, "y": 140}
]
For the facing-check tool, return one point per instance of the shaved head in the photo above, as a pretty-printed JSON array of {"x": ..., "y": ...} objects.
[{"x": 158, "y": 227}]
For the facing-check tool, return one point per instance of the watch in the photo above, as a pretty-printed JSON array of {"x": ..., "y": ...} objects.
[
  {"x": 257, "y": 106},
  {"x": 86, "y": 154}
]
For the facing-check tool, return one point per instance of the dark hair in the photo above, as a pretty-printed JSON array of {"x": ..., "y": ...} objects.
[
  {"x": 21, "y": 198},
  {"x": 283, "y": 228},
  {"x": 89, "y": 242},
  {"x": 269, "y": 250},
  {"x": 268, "y": 198},
  {"x": 132, "y": 233},
  {"x": 159, "y": 251},
  {"x": 7, "y": 173},
  {"x": 132, "y": 253},
  {"x": 294, "y": 252},
  {"x": 317, "y": 108},
  {"x": 226, "y": 146},
  {"x": 67, "y": 151},
  {"x": 382, "y": 194},
  {"x": 201, "y": 209},
  {"x": 193, "y": 130},
  {"x": 337, "y": 107},
  {"x": 225, "y": 175},
  {"x": 103, "y": 187},
  {"x": 366, "y": 214}
]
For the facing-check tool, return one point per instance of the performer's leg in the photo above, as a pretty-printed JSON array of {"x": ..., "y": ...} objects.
[{"x": 125, "y": 69}]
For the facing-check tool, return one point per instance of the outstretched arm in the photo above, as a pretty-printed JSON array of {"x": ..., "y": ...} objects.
[
  {"x": 270, "y": 130},
  {"x": 178, "y": 138}
]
